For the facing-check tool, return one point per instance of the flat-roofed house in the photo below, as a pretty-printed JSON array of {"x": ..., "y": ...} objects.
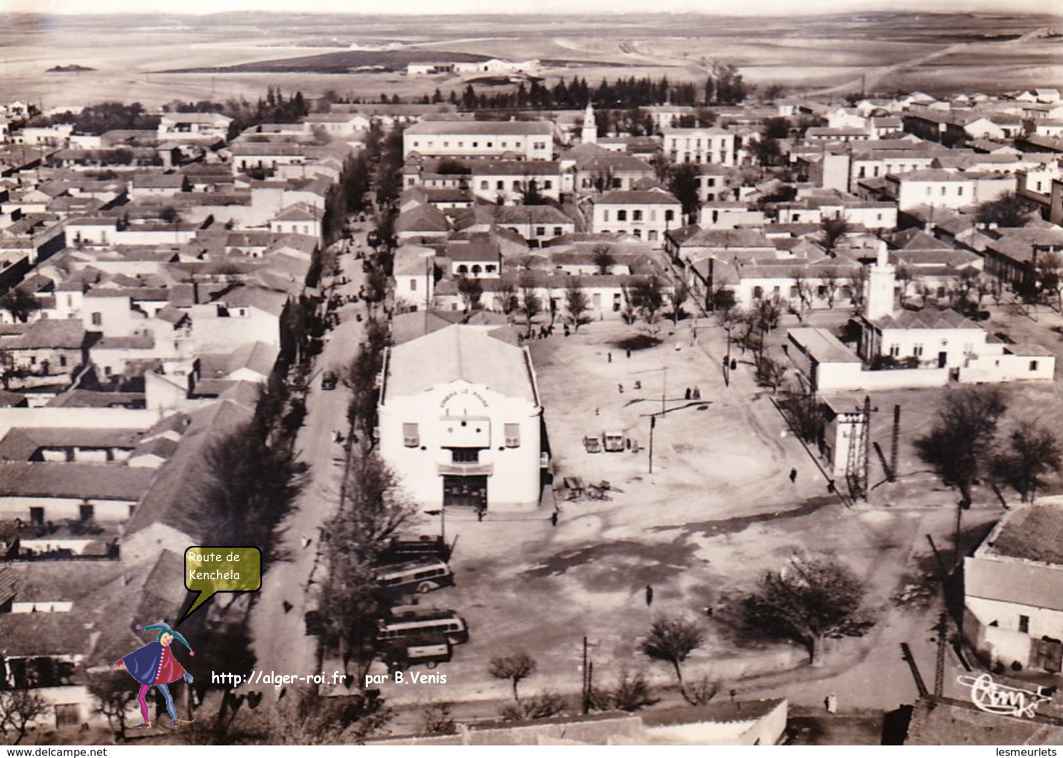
[
  {"x": 522, "y": 140},
  {"x": 644, "y": 214}
]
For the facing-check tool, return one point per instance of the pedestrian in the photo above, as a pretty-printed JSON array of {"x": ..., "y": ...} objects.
[
  {"x": 480, "y": 513},
  {"x": 597, "y": 411},
  {"x": 553, "y": 518},
  {"x": 830, "y": 487},
  {"x": 286, "y": 606},
  {"x": 734, "y": 364},
  {"x": 306, "y": 542},
  {"x": 649, "y": 596},
  {"x": 620, "y": 388},
  {"x": 697, "y": 393},
  {"x": 629, "y": 352},
  {"x": 609, "y": 356},
  {"x": 686, "y": 395},
  {"x": 793, "y": 476}
]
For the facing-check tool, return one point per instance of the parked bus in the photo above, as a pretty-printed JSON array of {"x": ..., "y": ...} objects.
[
  {"x": 422, "y": 548},
  {"x": 406, "y": 622},
  {"x": 413, "y": 651},
  {"x": 415, "y": 576}
]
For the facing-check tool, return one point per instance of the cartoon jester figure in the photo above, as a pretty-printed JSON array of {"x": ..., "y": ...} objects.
[{"x": 155, "y": 665}]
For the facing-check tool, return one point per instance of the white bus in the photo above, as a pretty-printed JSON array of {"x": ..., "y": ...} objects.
[
  {"x": 420, "y": 622},
  {"x": 420, "y": 577}
]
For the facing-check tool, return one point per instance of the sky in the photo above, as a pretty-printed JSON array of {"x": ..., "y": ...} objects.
[{"x": 747, "y": 7}]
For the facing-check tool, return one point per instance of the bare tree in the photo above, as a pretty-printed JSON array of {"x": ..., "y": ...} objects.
[
  {"x": 471, "y": 290},
  {"x": 770, "y": 373},
  {"x": 671, "y": 640},
  {"x": 959, "y": 444},
  {"x": 20, "y": 304},
  {"x": 577, "y": 304},
  {"x": 1049, "y": 268},
  {"x": 647, "y": 298},
  {"x": 831, "y": 232},
  {"x": 1033, "y": 452},
  {"x": 530, "y": 302},
  {"x": 506, "y": 296},
  {"x": 19, "y": 709},
  {"x": 113, "y": 696},
  {"x": 514, "y": 667},
  {"x": 603, "y": 258},
  {"x": 679, "y": 294},
  {"x": 810, "y": 599},
  {"x": 857, "y": 281},
  {"x": 804, "y": 291},
  {"x": 904, "y": 277}
]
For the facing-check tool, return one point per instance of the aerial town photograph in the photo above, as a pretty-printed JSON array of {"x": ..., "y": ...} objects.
[{"x": 438, "y": 373}]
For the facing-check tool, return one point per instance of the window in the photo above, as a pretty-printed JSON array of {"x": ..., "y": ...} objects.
[
  {"x": 557, "y": 231},
  {"x": 411, "y": 436},
  {"x": 547, "y": 184},
  {"x": 959, "y": 191},
  {"x": 465, "y": 455},
  {"x": 86, "y": 511},
  {"x": 636, "y": 215},
  {"x": 605, "y": 214},
  {"x": 413, "y": 285},
  {"x": 1033, "y": 365},
  {"x": 794, "y": 292},
  {"x": 917, "y": 350},
  {"x": 540, "y": 231},
  {"x": 895, "y": 351},
  {"x": 669, "y": 215},
  {"x": 1024, "y": 624},
  {"x": 62, "y": 360},
  {"x": 97, "y": 319},
  {"x": 475, "y": 144},
  {"x": 621, "y": 215},
  {"x": 500, "y": 184},
  {"x": 483, "y": 184},
  {"x": 512, "y": 434},
  {"x": 66, "y": 714}
]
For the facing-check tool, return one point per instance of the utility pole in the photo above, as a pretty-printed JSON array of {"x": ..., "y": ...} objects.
[
  {"x": 895, "y": 442},
  {"x": 586, "y": 679},
  {"x": 653, "y": 423}
]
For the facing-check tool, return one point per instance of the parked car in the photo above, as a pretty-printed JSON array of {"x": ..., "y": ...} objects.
[
  {"x": 614, "y": 441},
  {"x": 328, "y": 380},
  {"x": 592, "y": 444}
]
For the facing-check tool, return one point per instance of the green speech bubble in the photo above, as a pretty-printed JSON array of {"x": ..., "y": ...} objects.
[{"x": 210, "y": 569}]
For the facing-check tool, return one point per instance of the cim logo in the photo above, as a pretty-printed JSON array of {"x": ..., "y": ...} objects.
[{"x": 992, "y": 697}]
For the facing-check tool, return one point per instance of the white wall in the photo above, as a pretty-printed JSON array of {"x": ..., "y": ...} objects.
[
  {"x": 58, "y": 508},
  {"x": 515, "y": 480}
]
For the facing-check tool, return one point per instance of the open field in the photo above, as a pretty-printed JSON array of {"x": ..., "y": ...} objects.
[{"x": 127, "y": 52}]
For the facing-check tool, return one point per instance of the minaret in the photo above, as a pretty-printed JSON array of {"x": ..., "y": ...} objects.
[
  {"x": 589, "y": 135},
  {"x": 880, "y": 283}
]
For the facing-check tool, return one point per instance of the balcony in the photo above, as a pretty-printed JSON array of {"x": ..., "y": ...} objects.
[{"x": 465, "y": 469}]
